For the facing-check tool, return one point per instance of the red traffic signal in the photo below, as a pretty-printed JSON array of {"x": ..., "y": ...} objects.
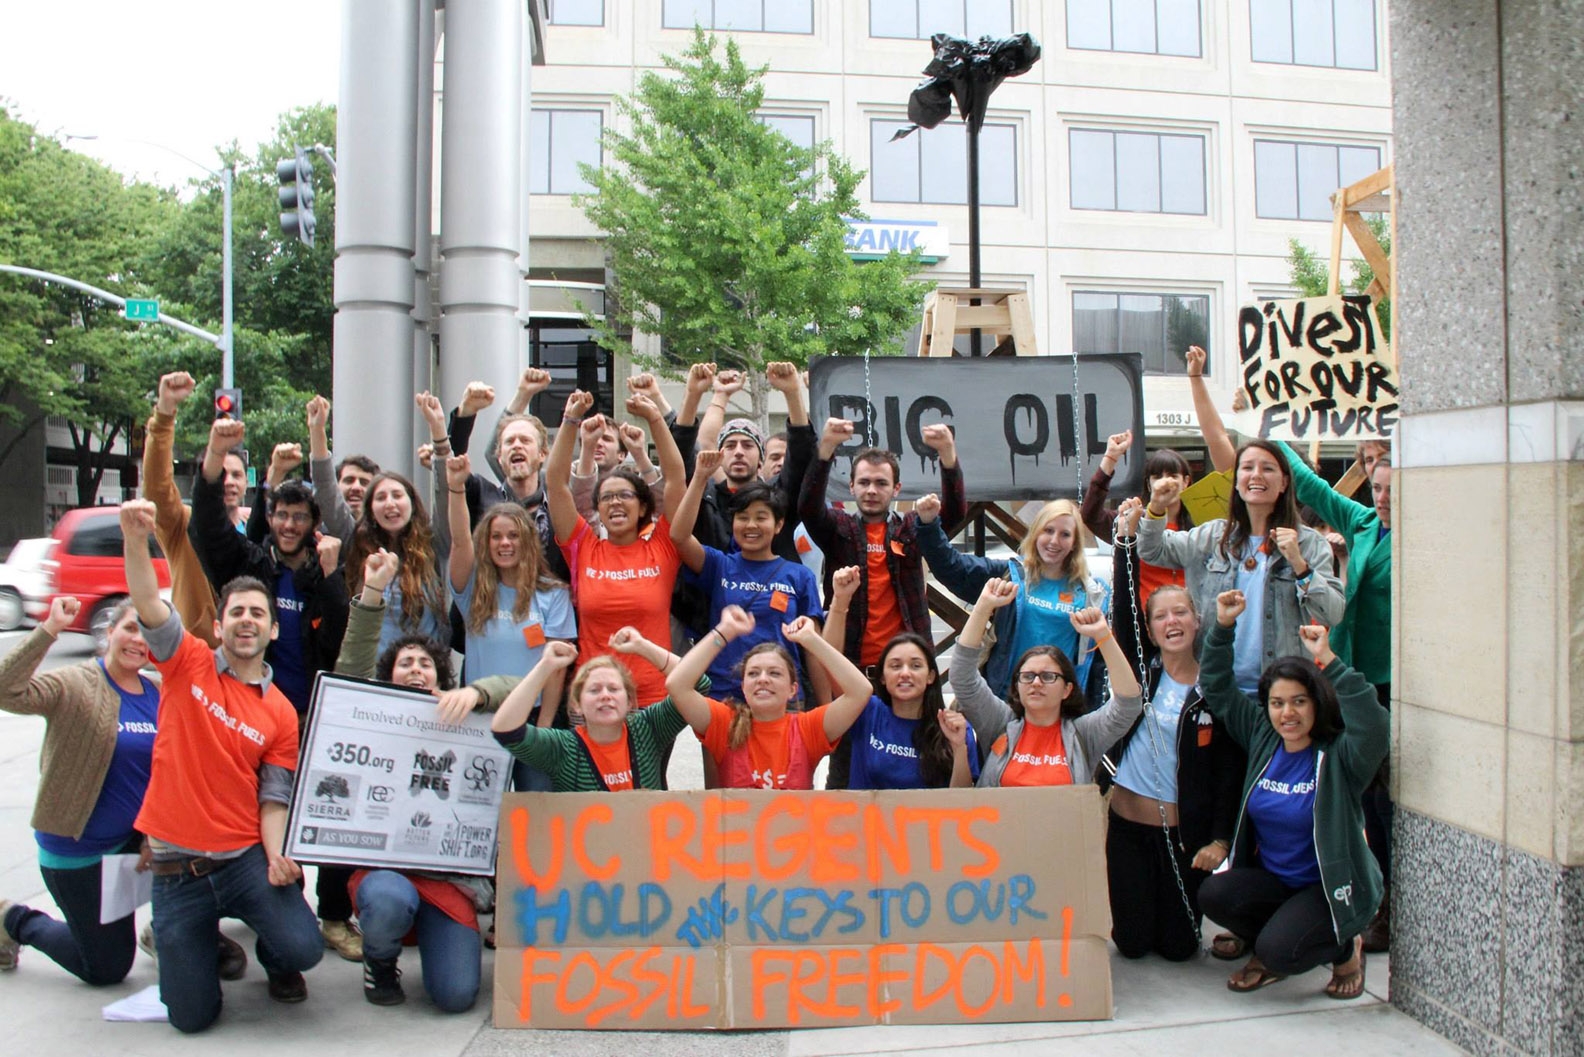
[{"x": 228, "y": 403}]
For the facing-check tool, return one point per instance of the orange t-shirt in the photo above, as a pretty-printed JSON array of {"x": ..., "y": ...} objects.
[
  {"x": 614, "y": 761},
  {"x": 617, "y": 586},
  {"x": 1152, "y": 576},
  {"x": 1040, "y": 758},
  {"x": 884, "y": 620},
  {"x": 768, "y": 751},
  {"x": 215, "y": 732}
]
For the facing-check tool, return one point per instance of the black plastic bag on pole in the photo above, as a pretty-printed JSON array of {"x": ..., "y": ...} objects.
[{"x": 968, "y": 72}]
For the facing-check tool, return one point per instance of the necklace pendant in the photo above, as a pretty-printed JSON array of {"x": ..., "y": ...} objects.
[{"x": 1250, "y": 563}]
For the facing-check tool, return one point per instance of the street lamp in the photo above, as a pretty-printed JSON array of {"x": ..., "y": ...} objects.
[{"x": 225, "y": 174}]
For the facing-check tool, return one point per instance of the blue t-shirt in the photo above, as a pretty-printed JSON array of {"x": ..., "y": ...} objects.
[
  {"x": 884, "y": 755},
  {"x": 126, "y": 780},
  {"x": 291, "y": 672},
  {"x": 1248, "y": 648},
  {"x": 1044, "y": 618},
  {"x": 433, "y": 621},
  {"x": 502, "y": 648},
  {"x": 774, "y": 593},
  {"x": 1281, "y": 807},
  {"x": 1149, "y": 766}
]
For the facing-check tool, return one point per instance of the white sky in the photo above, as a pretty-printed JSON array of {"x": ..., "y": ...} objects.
[{"x": 189, "y": 74}]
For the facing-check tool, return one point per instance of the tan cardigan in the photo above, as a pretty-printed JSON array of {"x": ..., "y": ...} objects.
[{"x": 81, "y": 709}]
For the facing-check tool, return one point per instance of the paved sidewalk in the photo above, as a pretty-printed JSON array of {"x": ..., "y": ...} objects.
[{"x": 1161, "y": 1009}]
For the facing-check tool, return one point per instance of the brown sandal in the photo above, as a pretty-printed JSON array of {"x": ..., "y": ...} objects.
[
  {"x": 1345, "y": 986},
  {"x": 1227, "y": 947},
  {"x": 1252, "y": 977}
]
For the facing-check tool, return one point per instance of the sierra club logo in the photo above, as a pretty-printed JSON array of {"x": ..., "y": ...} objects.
[{"x": 432, "y": 773}]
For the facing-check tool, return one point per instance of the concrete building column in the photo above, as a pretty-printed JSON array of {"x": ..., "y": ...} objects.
[
  {"x": 1488, "y": 710},
  {"x": 423, "y": 216},
  {"x": 482, "y": 194},
  {"x": 375, "y": 141}
]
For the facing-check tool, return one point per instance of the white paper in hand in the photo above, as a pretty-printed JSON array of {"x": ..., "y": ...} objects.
[{"x": 122, "y": 889}]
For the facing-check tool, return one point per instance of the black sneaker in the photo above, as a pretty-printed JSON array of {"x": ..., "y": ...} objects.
[
  {"x": 382, "y": 982},
  {"x": 233, "y": 959},
  {"x": 288, "y": 987}
]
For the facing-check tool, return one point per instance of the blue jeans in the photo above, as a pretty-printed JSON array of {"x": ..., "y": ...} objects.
[
  {"x": 94, "y": 953},
  {"x": 187, "y": 913},
  {"x": 388, "y": 907}
]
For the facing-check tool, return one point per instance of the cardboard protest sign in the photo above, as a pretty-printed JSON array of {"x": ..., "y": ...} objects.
[
  {"x": 762, "y": 909},
  {"x": 1208, "y": 498},
  {"x": 1318, "y": 369},
  {"x": 1025, "y": 427}
]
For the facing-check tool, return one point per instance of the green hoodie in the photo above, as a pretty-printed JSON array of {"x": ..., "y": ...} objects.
[{"x": 1346, "y": 765}]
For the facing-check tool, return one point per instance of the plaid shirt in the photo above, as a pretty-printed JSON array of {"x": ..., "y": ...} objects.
[{"x": 843, "y": 538}]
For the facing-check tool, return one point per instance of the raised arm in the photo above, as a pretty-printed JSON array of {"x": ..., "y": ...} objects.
[
  {"x": 558, "y": 467},
  {"x": 854, "y": 685},
  {"x": 224, "y": 553},
  {"x": 137, "y": 522},
  {"x": 1103, "y": 727},
  {"x": 1223, "y": 453},
  {"x": 1366, "y": 737},
  {"x": 844, "y": 584},
  {"x": 1157, "y": 544},
  {"x": 666, "y": 449},
  {"x": 812, "y": 511},
  {"x": 681, "y": 684},
  {"x": 987, "y": 712},
  {"x": 964, "y": 575},
  {"x": 159, "y": 483},
  {"x": 1222, "y": 697},
  {"x": 630, "y": 640},
  {"x": 686, "y": 515},
  {"x": 1097, "y": 517},
  {"x": 514, "y": 711},
  {"x": 22, "y": 692},
  {"x": 954, "y": 497},
  {"x": 433, "y": 413},
  {"x": 458, "y": 468},
  {"x": 333, "y": 508},
  {"x": 727, "y": 385}
]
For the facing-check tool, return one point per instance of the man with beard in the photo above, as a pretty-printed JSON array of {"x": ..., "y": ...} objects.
[
  {"x": 521, "y": 445},
  {"x": 310, "y": 613},
  {"x": 882, "y": 544},
  {"x": 217, "y": 800}
]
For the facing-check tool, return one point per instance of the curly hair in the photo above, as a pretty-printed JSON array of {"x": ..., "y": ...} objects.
[
  {"x": 413, "y": 544},
  {"x": 530, "y": 574},
  {"x": 439, "y": 653}
]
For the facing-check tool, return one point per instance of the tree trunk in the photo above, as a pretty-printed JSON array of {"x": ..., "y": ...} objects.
[{"x": 759, "y": 393}]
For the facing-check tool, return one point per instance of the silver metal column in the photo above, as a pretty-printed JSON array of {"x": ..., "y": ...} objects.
[
  {"x": 482, "y": 193},
  {"x": 375, "y": 145},
  {"x": 423, "y": 213}
]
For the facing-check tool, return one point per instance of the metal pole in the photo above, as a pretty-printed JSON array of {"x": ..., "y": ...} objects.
[
  {"x": 114, "y": 299},
  {"x": 226, "y": 348},
  {"x": 974, "y": 338}
]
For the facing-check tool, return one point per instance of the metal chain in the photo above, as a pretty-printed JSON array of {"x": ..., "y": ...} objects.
[
  {"x": 1077, "y": 433},
  {"x": 869, "y": 401}
]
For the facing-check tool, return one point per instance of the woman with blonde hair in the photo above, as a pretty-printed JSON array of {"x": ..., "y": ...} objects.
[{"x": 1052, "y": 579}]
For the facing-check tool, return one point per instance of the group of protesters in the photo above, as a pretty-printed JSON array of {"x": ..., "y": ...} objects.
[{"x": 628, "y": 578}]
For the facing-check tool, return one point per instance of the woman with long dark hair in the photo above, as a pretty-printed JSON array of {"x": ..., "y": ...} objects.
[
  {"x": 1041, "y": 733},
  {"x": 1260, "y": 548},
  {"x": 1301, "y": 884}
]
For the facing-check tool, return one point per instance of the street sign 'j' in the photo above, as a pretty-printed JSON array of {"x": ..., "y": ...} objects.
[{"x": 142, "y": 311}]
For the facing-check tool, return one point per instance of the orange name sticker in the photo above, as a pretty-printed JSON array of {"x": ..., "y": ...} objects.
[
  {"x": 1204, "y": 736},
  {"x": 896, "y": 547},
  {"x": 1066, "y": 596},
  {"x": 533, "y": 635},
  {"x": 779, "y": 601}
]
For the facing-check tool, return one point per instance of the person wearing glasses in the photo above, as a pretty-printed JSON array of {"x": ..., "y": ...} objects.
[
  {"x": 1040, "y": 735},
  {"x": 625, "y": 578},
  {"x": 300, "y": 568}
]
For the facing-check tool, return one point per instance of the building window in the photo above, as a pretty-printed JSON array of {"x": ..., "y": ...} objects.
[
  {"x": 931, "y": 165},
  {"x": 1154, "y": 27},
  {"x": 561, "y": 141},
  {"x": 759, "y": 16},
  {"x": 1159, "y": 326},
  {"x": 922, "y": 19},
  {"x": 577, "y": 12},
  {"x": 1137, "y": 172},
  {"x": 1295, "y": 181},
  {"x": 1335, "y": 33},
  {"x": 799, "y": 128}
]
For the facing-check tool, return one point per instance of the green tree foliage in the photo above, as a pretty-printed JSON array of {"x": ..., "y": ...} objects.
[
  {"x": 727, "y": 240},
  {"x": 1312, "y": 277},
  {"x": 63, "y": 352}
]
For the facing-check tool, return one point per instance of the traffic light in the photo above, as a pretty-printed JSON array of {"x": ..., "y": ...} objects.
[
  {"x": 296, "y": 197},
  {"x": 228, "y": 403}
]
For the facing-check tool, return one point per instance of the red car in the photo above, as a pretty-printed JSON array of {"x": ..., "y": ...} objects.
[{"x": 88, "y": 562}]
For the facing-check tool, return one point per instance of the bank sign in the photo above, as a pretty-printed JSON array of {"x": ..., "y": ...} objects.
[{"x": 872, "y": 239}]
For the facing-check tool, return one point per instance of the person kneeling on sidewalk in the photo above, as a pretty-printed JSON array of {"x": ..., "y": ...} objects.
[{"x": 226, "y": 739}]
